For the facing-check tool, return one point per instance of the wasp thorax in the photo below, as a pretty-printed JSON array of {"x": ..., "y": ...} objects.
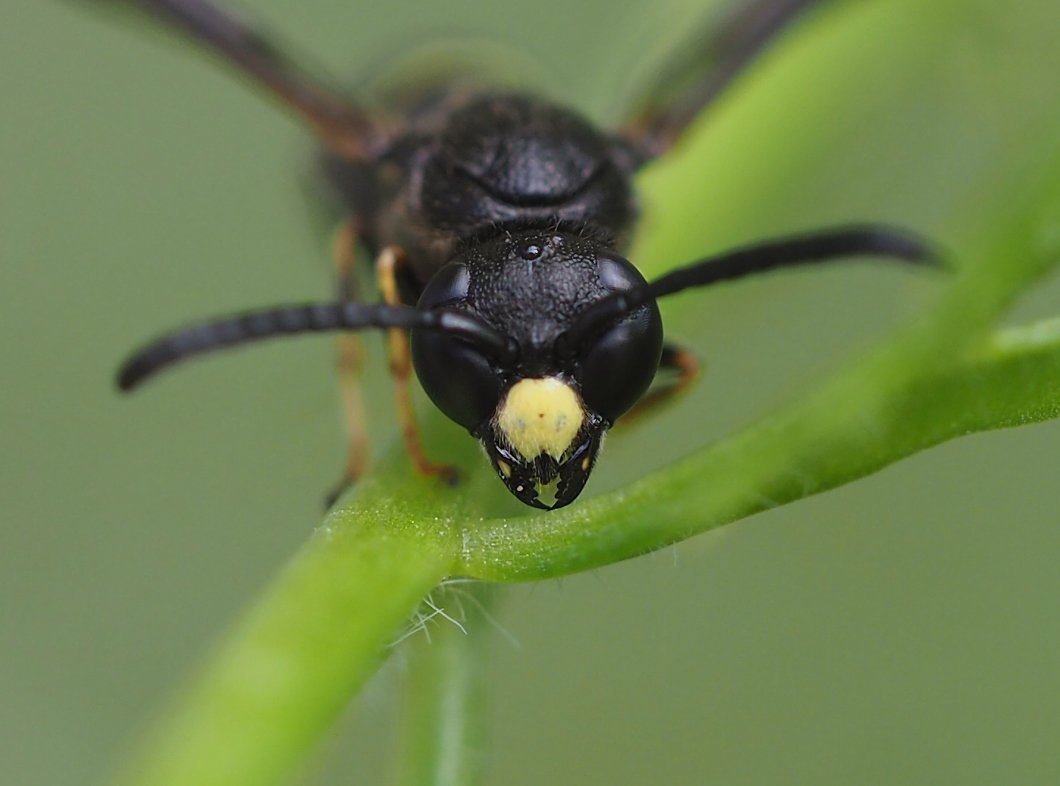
[{"x": 540, "y": 416}]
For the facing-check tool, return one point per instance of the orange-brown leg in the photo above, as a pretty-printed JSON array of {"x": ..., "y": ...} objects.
[
  {"x": 673, "y": 359},
  {"x": 349, "y": 362},
  {"x": 387, "y": 264}
]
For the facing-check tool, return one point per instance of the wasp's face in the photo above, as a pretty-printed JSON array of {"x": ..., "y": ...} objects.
[
  {"x": 543, "y": 441},
  {"x": 541, "y": 417}
]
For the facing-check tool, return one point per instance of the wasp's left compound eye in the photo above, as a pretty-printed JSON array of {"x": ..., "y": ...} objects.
[
  {"x": 457, "y": 375},
  {"x": 617, "y": 366}
]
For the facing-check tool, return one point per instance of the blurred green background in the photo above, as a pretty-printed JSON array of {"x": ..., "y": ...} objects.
[{"x": 903, "y": 629}]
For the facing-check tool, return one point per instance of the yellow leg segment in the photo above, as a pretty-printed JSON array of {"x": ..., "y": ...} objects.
[
  {"x": 349, "y": 353},
  {"x": 387, "y": 264}
]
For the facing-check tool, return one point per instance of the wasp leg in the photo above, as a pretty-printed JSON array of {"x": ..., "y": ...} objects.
[
  {"x": 697, "y": 74},
  {"x": 344, "y": 252},
  {"x": 387, "y": 264},
  {"x": 342, "y": 126},
  {"x": 674, "y": 359},
  {"x": 349, "y": 354}
]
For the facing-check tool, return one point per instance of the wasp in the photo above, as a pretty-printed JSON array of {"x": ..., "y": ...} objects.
[{"x": 497, "y": 223}]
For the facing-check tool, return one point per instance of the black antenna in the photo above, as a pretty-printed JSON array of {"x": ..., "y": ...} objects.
[
  {"x": 174, "y": 347},
  {"x": 760, "y": 258}
]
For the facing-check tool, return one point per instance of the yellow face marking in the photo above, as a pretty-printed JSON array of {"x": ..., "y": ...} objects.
[{"x": 540, "y": 416}]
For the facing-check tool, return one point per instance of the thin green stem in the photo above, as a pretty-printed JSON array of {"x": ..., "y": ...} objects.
[
  {"x": 808, "y": 448},
  {"x": 444, "y": 717}
]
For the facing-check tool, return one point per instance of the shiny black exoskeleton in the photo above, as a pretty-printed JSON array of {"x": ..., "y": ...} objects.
[
  {"x": 471, "y": 166},
  {"x": 499, "y": 221}
]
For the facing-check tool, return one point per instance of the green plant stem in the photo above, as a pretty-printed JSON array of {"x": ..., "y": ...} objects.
[
  {"x": 811, "y": 447},
  {"x": 304, "y": 649},
  {"x": 444, "y": 709},
  {"x": 941, "y": 380}
]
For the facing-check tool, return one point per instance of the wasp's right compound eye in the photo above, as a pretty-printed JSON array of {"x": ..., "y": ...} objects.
[{"x": 457, "y": 375}]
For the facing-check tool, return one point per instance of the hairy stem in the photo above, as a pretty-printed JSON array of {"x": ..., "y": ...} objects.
[{"x": 444, "y": 712}]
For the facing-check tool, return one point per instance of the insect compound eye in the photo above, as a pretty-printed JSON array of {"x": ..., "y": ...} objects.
[
  {"x": 456, "y": 375},
  {"x": 619, "y": 364}
]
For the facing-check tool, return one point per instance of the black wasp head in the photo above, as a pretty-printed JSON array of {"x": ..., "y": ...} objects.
[{"x": 541, "y": 409}]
